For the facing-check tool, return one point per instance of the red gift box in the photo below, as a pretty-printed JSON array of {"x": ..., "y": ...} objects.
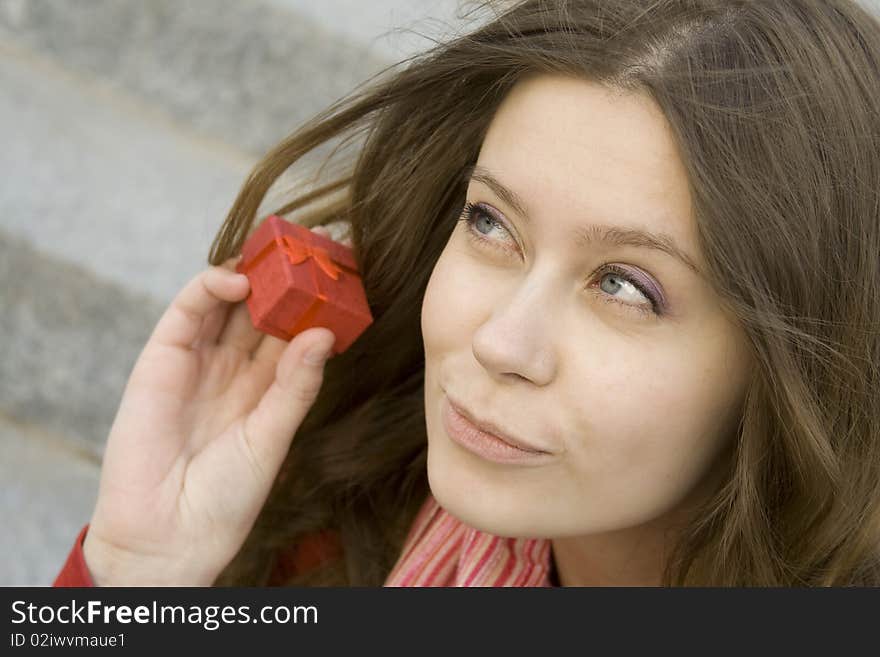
[{"x": 300, "y": 279}]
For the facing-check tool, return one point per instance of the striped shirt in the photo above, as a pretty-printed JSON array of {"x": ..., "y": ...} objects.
[{"x": 441, "y": 550}]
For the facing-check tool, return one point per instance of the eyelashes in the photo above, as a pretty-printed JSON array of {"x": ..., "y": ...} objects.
[{"x": 473, "y": 212}]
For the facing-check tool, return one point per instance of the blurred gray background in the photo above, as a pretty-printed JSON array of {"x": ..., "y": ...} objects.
[{"x": 127, "y": 128}]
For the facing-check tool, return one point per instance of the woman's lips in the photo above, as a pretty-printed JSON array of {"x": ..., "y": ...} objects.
[
  {"x": 492, "y": 428},
  {"x": 490, "y": 447}
]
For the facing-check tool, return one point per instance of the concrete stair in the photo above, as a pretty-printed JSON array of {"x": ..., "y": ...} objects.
[{"x": 127, "y": 129}]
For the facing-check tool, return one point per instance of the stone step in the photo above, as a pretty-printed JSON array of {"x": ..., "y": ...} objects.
[
  {"x": 69, "y": 342},
  {"x": 48, "y": 493},
  {"x": 94, "y": 179},
  {"x": 246, "y": 73}
]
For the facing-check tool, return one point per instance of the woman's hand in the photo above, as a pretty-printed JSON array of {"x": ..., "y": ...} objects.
[{"x": 204, "y": 424}]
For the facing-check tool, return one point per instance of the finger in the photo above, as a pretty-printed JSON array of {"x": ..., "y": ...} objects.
[
  {"x": 183, "y": 321},
  {"x": 212, "y": 326},
  {"x": 215, "y": 321},
  {"x": 268, "y": 428},
  {"x": 270, "y": 349},
  {"x": 239, "y": 331}
]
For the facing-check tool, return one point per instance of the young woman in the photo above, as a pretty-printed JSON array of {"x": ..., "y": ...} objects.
[{"x": 637, "y": 242}]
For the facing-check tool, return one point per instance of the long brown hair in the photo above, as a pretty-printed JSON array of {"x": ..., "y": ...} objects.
[{"x": 775, "y": 106}]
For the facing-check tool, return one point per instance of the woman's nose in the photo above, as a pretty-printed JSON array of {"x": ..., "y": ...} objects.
[{"x": 517, "y": 340}]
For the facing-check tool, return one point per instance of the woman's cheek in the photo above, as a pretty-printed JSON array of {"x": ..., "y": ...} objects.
[{"x": 453, "y": 303}]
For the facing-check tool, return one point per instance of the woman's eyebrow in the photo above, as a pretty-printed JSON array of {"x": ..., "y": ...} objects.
[{"x": 584, "y": 235}]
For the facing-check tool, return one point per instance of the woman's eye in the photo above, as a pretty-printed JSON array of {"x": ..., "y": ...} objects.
[
  {"x": 480, "y": 223},
  {"x": 622, "y": 288},
  {"x": 615, "y": 284}
]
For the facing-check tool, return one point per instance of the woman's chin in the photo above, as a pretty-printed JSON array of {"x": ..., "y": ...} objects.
[{"x": 473, "y": 496}]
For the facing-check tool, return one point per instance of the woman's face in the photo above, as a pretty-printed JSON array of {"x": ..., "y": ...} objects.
[{"x": 559, "y": 322}]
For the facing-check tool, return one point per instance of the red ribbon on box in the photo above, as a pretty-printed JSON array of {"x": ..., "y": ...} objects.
[{"x": 298, "y": 252}]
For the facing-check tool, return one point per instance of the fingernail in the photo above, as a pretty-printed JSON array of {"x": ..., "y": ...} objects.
[{"x": 317, "y": 355}]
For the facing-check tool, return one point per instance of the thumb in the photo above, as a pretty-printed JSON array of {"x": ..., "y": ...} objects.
[
  {"x": 318, "y": 348},
  {"x": 298, "y": 378}
]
